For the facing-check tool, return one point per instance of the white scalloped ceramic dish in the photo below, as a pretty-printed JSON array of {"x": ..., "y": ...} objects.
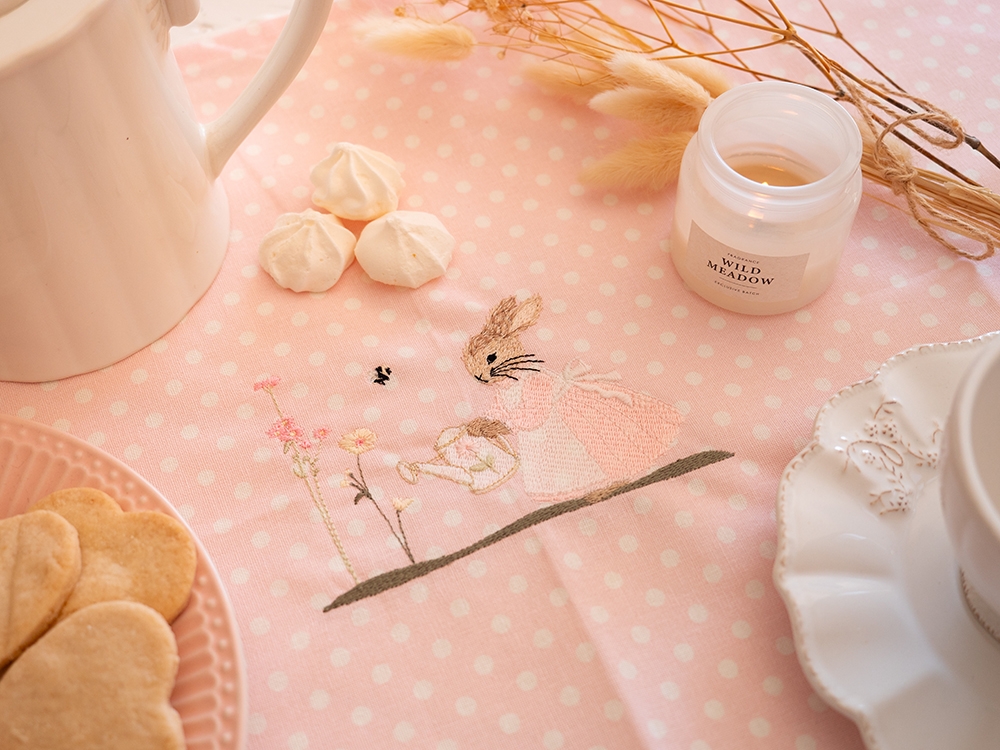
[
  {"x": 867, "y": 572},
  {"x": 210, "y": 692}
]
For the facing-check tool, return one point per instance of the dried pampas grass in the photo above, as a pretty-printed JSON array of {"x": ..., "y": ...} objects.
[
  {"x": 709, "y": 75},
  {"x": 416, "y": 38},
  {"x": 667, "y": 96},
  {"x": 668, "y": 101},
  {"x": 655, "y": 94},
  {"x": 580, "y": 51},
  {"x": 638, "y": 71},
  {"x": 643, "y": 163},
  {"x": 570, "y": 81},
  {"x": 647, "y": 107}
]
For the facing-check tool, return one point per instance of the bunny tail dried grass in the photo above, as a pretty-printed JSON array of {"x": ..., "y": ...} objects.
[
  {"x": 639, "y": 71},
  {"x": 706, "y": 73},
  {"x": 579, "y": 33},
  {"x": 642, "y": 164},
  {"x": 416, "y": 38},
  {"x": 647, "y": 107},
  {"x": 571, "y": 81}
]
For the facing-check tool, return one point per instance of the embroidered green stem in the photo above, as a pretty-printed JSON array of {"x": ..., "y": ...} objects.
[
  {"x": 404, "y": 541},
  {"x": 317, "y": 498},
  {"x": 361, "y": 486},
  {"x": 395, "y": 578},
  {"x": 399, "y": 519},
  {"x": 305, "y": 465}
]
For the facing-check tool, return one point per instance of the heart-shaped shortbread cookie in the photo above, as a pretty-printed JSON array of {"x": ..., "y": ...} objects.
[
  {"x": 39, "y": 565},
  {"x": 99, "y": 680},
  {"x": 142, "y": 556}
]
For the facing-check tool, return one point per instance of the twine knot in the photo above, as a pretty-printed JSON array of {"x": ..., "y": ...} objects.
[{"x": 897, "y": 172}]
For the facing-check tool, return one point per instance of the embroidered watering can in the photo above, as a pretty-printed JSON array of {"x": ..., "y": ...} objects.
[{"x": 112, "y": 220}]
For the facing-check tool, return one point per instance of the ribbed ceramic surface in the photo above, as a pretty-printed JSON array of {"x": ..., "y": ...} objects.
[{"x": 210, "y": 692}]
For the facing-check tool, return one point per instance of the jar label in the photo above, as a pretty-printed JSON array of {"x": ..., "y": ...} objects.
[{"x": 737, "y": 273}]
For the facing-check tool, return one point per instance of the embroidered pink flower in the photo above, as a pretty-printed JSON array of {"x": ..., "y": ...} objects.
[
  {"x": 287, "y": 430},
  {"x": 360, "y": 441},
  {"x": 266, "y": 384},
  {"x": 465, "y": 448},
  {"x": 401, "y": 503},
  {"x": 304, "y": 463}
]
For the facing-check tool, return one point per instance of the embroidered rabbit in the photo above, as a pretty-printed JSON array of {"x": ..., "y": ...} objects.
[{"x": 575, "y": 430}]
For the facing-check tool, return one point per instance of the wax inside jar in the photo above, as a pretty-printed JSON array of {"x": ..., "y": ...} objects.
[{"x": 773, "y": 169}]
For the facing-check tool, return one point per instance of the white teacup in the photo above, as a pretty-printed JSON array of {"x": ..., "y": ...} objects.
[{"x": 970, "y": 482}]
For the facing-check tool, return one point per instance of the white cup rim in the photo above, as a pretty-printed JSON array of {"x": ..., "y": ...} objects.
[{"x": 964, "y": 455}]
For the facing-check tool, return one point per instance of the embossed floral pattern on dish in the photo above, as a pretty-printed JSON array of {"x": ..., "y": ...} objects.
[{"x": 895, "y": 461}]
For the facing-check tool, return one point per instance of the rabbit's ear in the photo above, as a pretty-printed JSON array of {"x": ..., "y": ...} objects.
[
  {"x": 498, "y": 324},
  {"x": 527, "y": 314}
]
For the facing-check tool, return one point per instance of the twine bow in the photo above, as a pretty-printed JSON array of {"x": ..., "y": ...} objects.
[{"x": 921, "y": 190}]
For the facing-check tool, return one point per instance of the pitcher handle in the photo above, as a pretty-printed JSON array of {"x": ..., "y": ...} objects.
[{"x": 223, "y": 135}]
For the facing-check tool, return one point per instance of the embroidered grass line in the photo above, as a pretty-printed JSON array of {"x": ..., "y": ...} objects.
[{"x": 395, "y": 578}]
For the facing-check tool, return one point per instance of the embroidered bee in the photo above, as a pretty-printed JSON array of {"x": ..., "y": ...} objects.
[{"x": 382, "y": 375}]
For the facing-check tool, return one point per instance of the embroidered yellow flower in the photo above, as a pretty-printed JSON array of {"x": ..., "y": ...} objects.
[
  {"x": 360, "y": 441},
  {"x": 401, "y": 503}
]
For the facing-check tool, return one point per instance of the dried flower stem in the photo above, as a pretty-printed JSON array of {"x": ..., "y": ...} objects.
[{"x": 577, "y": 35}]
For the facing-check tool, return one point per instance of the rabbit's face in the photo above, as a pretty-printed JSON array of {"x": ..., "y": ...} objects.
[
  {"x": 496, "y": 352},
  {"x": 499, "y": 359}
]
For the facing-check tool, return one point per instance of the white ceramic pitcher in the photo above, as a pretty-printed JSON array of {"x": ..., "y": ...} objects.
[{"x": 112, "y": 221}]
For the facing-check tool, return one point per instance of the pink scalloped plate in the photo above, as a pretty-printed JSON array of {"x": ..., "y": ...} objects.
[{"x": 210, "y": 692}]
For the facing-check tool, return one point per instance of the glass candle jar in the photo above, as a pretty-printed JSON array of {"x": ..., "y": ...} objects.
[{"x": 767, "y": 193}]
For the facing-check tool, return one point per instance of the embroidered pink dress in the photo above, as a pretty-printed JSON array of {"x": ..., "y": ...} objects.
[{"x": 577, "y": 431}]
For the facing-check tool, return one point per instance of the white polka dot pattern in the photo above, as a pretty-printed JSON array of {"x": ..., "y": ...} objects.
[{"x": 648, "y": 620}]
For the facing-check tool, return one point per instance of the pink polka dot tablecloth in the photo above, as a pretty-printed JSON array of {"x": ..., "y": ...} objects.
[{"x": 314, "y": 442}]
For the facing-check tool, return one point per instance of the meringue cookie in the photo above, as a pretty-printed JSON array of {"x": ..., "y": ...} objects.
[
  {"x": 405, "y": 248},
  {"x": 356, "y": 182},
  {"x": 307, "y": 252}
]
